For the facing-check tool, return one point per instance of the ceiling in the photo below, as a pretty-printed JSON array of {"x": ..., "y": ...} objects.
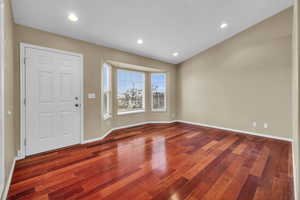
[{"x": 166, "y": 26}]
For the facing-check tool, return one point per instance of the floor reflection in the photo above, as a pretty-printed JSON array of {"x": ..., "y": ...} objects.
[
  {"x": 131, "y": 153},
  {"x": 159, "y": 155}
]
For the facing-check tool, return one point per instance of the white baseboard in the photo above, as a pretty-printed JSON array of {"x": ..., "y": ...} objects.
[
  {"x": 187, "y": 122},
  {"x": 20, "y": 155},
  {"x": 6, "y": 189},
  {"x": 98, "y": 138},
  {"x": 161, "y": 122},
  {"x": 239, "y": 131},
  {"x": 142, "y": 123},
  {"x": 1, "y": 189},
  {"x": 295, "y": 173},
  {"x": 127, "y": 126}
]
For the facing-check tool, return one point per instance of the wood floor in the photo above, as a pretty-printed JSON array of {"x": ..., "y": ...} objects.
[{"x": 163, "y": 161}]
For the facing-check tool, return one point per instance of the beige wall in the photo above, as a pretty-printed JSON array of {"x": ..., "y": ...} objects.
[
  {"x": 244, "y": 79},
  {"x": 94, "y": 56},
  {"x": 295, "y": 96},
  {"x": 10, "y": 90}
]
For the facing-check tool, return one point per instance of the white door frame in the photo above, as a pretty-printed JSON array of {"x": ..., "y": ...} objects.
[
  {"x": 2, "y": 109},
  {"x": 23, "y": 46}
]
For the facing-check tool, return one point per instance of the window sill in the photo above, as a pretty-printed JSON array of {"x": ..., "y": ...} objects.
[
  {"x": 131, "y": 112},
  {"x": 106, "y": 117},
  {"x": 163, "y": 110}
]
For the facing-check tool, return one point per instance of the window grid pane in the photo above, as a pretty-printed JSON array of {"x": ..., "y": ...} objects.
[
  {"x": 131, "y": 86},
  {"x": 106, "y": 79},
  {"x": 158, "y": 82}
]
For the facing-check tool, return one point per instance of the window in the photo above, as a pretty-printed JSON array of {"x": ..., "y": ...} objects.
[
  {"x": 158, "y": 91},
  {"x": 131, "y": 91},
  {"x": 106, "y": 88}
]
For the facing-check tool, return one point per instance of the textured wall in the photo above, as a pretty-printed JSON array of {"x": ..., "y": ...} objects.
[{"x": 10, "y": 81}]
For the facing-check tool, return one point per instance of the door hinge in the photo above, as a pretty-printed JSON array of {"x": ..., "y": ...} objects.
[
  {"x": 24, "y": 61},
  {"x": 24, "y": 142},
  {"x": 24, "y": 101}
]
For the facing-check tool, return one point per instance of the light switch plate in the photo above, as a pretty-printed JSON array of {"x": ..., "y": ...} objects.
[{"x": 91, "y": 95}]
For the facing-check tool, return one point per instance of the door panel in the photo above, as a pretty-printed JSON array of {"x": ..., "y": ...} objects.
[
  {"x": 45, "y": 86},
  {"x": 53, "y": 88},
  {"x": 46, "y": 124},
  {"x": 66, "y": 86},
  {"x": 66, "y": 118}
]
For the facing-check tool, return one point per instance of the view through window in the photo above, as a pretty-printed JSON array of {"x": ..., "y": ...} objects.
[
  {"x": 131, "y": 91},
  {"x": 158, "y": 84},
  {"x": 106, "y": 82}
]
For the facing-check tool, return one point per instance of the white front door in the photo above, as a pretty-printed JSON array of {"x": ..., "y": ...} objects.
[{"x": 53, "y": 96}]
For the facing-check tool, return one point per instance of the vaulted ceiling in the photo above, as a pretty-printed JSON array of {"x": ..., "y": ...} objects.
[{"x": 165, "y": 26}]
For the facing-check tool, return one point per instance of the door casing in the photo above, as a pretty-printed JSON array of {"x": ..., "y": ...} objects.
[{"x": 22, "y": 152}]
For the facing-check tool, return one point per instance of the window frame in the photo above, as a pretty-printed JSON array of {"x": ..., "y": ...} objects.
[
  {"x": 143, "y": 110},
  {"x": 165, "y": 92},
  {"x": 107, "y": 115}
]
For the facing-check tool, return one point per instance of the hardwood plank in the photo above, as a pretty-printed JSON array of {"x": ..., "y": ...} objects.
[
  {"x": 224, "y": 181},
  {"x": 249, "y": 188},
  {"x": 260, "y": 163},
  {"x": 240, "y": 149}
]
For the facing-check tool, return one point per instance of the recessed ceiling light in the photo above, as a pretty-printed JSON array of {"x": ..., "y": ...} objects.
[
  {"x": 140, "y": 41},
  {"x": 72, "y": 17},
  {"x": 175, "y": 54},
  {"x": 223, "y": 25}
]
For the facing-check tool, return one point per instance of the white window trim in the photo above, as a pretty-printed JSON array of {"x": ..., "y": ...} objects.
[
  {"x": 108, "y": 115},
  {"x": 165, "y": 91},
  {"x": 2, "y": 109},
  {"x": 144, "y": 99},
  {"x": 131, "y": 112}
]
